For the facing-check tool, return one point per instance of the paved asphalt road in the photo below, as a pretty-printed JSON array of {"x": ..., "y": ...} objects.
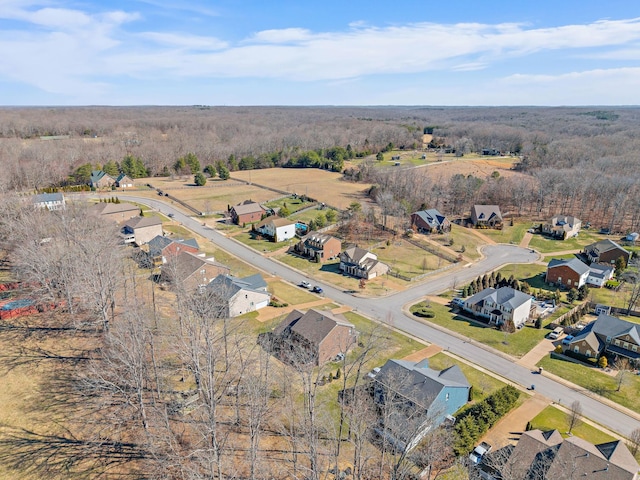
[{"x": 389, "y": 310}]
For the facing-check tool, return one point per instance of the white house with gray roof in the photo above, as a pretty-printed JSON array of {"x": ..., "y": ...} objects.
[
  {"x": 240, "y": 295},
  {"x": 361, "y": 263},
  {"x": 50, "y": 201},
  {"x": 599, "y": 274},
  {"x": 500, "y": 306}
]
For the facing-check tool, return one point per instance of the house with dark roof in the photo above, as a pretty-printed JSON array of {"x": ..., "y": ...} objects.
[
  {"x": 100, "y": 179},
  {"x": 547, "y": 455},
  {"x": 124, "y": 181},
  {"x": 50, "y": 201},
  {"x": 192, "y": 271},
  {"x": 276, "y": 228},
  {"x": 569, "y": 273},
  {"x": 416, "y": 399},
  {"x": 608, "y": 336},
  {"x": 240, "y": 295},
  {"x": 361, "y": 263},
  {"x": 318, "y": 247},
  {"x": 139, "y": 230},
  {"x": 160, "y": 248},
  {"x": 562, "y": 227},
  {"x": 486, "y": 216},
  {"x": 606, "y": 251},
  {"x": 599, "y": 274},
  {"x": 312, "y": 337},
  {"x": 430, "y": 221},
  {"x": 500, "y": 306},
  {"x": 246, "y": 212}
]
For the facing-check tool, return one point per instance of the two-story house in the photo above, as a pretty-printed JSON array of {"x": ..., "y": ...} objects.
[
  {"x": 500, "y": 306},
  {"x": 430, "y": 221},
  {"x": 237, "y": 296},
  {"x": 562, "y": 227},
  {"x": 607, "y": 335},
  {"x": 606, "y": 251},
  {"x": 139, "y": 230},
  {"x": 246, "y": 212},
  {"x": 191, "y": 271},
  {"x": 276, "y": 228},
  {"x": 483, "y": 216},
  {"x": 414, "y": 399},
  {"x": 569, "y": 273},
  {"x": 318, "y": 247},
  {"x": 361, "y": 263}
]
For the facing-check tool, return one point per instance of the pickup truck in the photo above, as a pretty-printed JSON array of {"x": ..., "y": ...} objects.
[
  {"x": 556, "y": 333},
  {"x": 480, "y": 451}
]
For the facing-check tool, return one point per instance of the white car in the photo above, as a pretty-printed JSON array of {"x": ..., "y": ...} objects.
[
  {"x": 372, "y": 374},
  {"x": 479, "y": 452},
  {"x": 305, "y": 284}
]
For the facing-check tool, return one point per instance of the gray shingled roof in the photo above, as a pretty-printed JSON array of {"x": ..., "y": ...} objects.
[
  {"x": 48, "y": 197},
  {"x": 604, "y": 246},
  {"x": 609, "y": 326},
  {"x": 503, "y": 296},
  {"x": 249, "y": 207},
  {"x": 573, "y": 263},
  {"x": 431, "y": 217},
  {"x": 417, "y": 382},
  {"x": 141, "y": 222},
  {"x": 313, "y": 325},
  {"x": 487, "y": 212}
]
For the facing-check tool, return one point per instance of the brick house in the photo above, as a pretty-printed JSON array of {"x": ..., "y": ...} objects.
[
  {"x": 124, "y": 181},
  {"x": 487, "y": 216},
  {"x": 312, "y": 337},
  {"x": 246, "y": 212},
  {"x": 500, "y": 306},
  {"x": 430, "y": 221},
  {"x": 606, "y": 251},
  {"x": 101, "y": 179},
  {"x": 361, "y": 263},
  {"x": 608, "y": 335},
  {"x": 318, "y": 247},
  {"x": 562, "y": 227},
  {"x": 160, "y": 248},
  {"x": 569, "y": 273}
]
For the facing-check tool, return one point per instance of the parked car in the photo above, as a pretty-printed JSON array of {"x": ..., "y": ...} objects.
[
  {"x": 556, "y": 333},
  {"x": 479, "y": 452},
  {"x": 372, "y": 374},
  {"x": 457, "y": 302},
  {"x": 316, "y": 289},
  {"x": 305, "y": 284},
  {"x": 170, "y": 215},
  {"x": 567, "y": 340}
]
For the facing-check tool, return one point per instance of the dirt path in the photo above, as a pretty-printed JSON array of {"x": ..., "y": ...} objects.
[{"x": 524, "y": 243}]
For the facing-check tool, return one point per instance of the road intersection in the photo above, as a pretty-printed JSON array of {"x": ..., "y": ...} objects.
[{"x": 391, "y": 311}]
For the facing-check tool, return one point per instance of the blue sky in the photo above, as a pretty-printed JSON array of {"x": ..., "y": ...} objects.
[{"x": 349, "y": 52}]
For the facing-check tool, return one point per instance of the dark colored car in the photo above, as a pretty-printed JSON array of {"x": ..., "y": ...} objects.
[{"x": 316, "y": 289}]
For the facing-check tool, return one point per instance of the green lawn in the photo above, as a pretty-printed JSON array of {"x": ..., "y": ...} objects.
[
  {"x": 259, "y": 244},
  {"x": 527, "y": 272},
  {"x": 290, "y": 294},
  {"x": 292, "y": 204},
  {"x": 509, "y": 234},
  {"x": 464, "y": 237},
  {"x": 407, "y": 259},
  {"x": 546, "y": 244},
  {"x": 237, "y": 266},
  {"x": 595, "y": 380},
  {"x": 306, "y": 216},
  {"x": 516, "y": 344},
  {"x": 178, "y": 230},
  {"x": 552, "y": 418}
]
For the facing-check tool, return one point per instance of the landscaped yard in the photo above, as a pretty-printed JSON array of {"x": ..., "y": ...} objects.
[
  {"x": 552, "y": 418},
  {"x": 509, "y": 234},
  {"x": 482, "y": 383},
  {"x": 292, "y": 204},
  {"x": 464, "y": 237},
  {"x": 545, "y": 244},
  {"x": 261, "y": 244},
  {"x": 293, "y": 295},
  {"x": 595, "y": 380},
  {"x": 516, "y": 344}
]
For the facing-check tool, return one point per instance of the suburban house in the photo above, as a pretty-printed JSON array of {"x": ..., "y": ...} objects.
[
  {"x": 139, "y": 230},
  {"x": 193, "y": 271},
  {"x": 430, "y": 221},
  {"x": 124, "y": 181},
  {"x": 361, "y": 263},
  {"x": 606, "y": 251},
  {"x": 599, "y": 274},
  {"x": 318, "y": 247},
  {"x": 540, "y": 454},
  {"x": 100, "y": 179},
  {"x": 117, "y": 212},
  {"x": 276, "y": 228},
  {"x": 50, "y": 201},
  {"x": 161, "y": 248},
  {"x": 312, "y": 337},
  {"x": 246, "y": 212},
  {"x": 486, "y": 216},
  {"x": 416, "y": 398},
  {"x": 569, "y": 273},
  {"x": 608, "y": 335},
  {"x": 240, "y": 295},
  {"x": 500, "y": 306},
  {"x": 562, "y": 227}
]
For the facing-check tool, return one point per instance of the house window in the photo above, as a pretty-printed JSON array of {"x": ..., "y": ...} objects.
[
  {"x": 588, "y": 353},
  {"x": 447, "y": 397},
  {"x": 617, "y": 342},
  {"x": 625, "y": 345},
  {"x": 576, "y": 349},
  {"x": 634, "y": 348},
  {"x": 608, "y": 339}
]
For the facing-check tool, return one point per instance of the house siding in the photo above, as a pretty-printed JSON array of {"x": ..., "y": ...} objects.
[
  {"x": 338, "y": 340},
  {"x": 565, "y": 276}
]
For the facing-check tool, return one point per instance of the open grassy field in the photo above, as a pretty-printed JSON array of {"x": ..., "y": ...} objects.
[
  {"x": 597, "y": 381},
  {"x": 464, "y": 237},
  {"x": 322, "y": 185},
  {"x": 545, "y": 244},
  {"x": 551, "y": 418},
  {"x": 508, "y": 234},
  {"x": 407, "y": 259}
]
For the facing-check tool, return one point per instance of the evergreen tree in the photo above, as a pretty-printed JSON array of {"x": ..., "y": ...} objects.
[{"x": 200, "y": 179}]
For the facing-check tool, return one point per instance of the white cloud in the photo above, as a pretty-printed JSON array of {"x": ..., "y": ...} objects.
[
  {"x": 285, "y": 35},
  {"x": 185, "y": 40}
]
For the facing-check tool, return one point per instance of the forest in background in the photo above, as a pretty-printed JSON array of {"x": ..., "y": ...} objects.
[{"x": 579, "y": 161}]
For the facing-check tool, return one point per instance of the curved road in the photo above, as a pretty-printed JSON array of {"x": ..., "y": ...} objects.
[{"x": 389, "y": 310}]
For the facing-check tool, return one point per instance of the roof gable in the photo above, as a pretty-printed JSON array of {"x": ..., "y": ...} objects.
[{"x": 573, "y": 263}]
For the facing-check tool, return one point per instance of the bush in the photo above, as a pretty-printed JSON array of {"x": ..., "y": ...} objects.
[
  {"x": 424, "y": 312},
  {"x": 603, "y": 362}
]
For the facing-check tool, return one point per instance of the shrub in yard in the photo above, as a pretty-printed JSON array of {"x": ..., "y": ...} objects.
[
  {"x": 603, "y": 362},
  {"x": 424, "y": 312}
]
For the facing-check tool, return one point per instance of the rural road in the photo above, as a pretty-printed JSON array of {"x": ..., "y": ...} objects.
[{"x": 389, "y": 310}]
